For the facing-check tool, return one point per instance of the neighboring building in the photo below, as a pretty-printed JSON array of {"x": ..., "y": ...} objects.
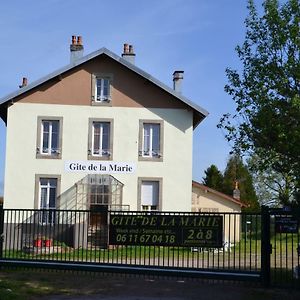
[
  {"x": 208, "y": 200},
  {"x": 99, "y": 132},
  {"x": 205, "y": 199}
]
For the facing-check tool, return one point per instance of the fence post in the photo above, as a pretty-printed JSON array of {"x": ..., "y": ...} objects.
[
  {"x": 1, "y": 230},
  {"x": 266, "y": 247}
]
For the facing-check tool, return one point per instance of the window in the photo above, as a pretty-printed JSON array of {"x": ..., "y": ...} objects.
[
  {"x": 100, "y": 141},
  {"x": 151, "y": 140},
  {"x": 49, "y": 137},
  {"x": 100, "y": 195},
  {"x": 46, "y": 198},
  {"x": 101, "y": 89},
  {"x": 149, "y": 194}
]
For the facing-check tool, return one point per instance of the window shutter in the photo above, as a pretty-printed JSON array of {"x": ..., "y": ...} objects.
[
  {"x": 149, "y": 193},
  {"x": 93, "y": 89}
]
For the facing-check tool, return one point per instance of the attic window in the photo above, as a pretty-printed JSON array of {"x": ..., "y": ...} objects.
[{"x": 101, "y": 89}]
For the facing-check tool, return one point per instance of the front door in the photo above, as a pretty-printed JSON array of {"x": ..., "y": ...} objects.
[{"x": 98, "y": 235}]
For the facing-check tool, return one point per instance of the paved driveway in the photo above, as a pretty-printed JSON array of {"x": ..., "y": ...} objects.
[{"x": 135, "y": 288}]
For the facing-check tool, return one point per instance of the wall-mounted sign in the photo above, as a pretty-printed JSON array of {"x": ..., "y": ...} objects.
[
  {"x": 99, "y": 167},
  {"x": 286, "y": 224},
  {"x": 166, "y": 230}
]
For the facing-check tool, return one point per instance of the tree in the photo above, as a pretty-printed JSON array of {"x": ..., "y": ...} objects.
[
  {"x": 213, "y": 178},
  {"x": 266, "y": 91},
  {"x": 272, "y": 188},
  {"x": 236, "y": 171}
]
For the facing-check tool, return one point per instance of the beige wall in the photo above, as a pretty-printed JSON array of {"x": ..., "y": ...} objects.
[
  {"x": 22, "y": 164},
  {"x": 206, "y": 201}
]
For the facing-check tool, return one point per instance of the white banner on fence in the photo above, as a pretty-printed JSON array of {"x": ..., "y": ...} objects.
[{"x": 99, "y": 167}]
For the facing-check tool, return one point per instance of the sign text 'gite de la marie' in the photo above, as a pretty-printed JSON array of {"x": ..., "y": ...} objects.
[
  {"x": 99, "y": 167},
  {"x": 166, "y": 230}
]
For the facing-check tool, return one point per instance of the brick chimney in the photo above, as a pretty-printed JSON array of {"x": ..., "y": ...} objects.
[
  {"x": 236, "y": 192},
  {"x": 128, "y": 53},
  {"x": 76, "y": 49},
  {"x": 177, "y": 81},
  {"x": 24, "y": 82}
]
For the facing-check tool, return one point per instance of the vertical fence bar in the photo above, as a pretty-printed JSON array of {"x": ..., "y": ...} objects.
[
  {"x": 256, "y": 241},
  {"x": 234, "y": 239},
  {"x": 265, "y": 246},
  {"x": 1, "y": 230}
]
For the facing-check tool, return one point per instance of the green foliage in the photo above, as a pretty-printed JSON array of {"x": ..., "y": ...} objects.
[
  {"x": 272, "y": 188},
  {"x": 8, "y": 291},
  {"x": 266, "y": 91},
  {"x": 213, "y": 178},
  {"x": 237, "y": 171}
]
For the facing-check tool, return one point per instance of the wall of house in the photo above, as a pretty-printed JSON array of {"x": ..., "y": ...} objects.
[
  {"x": 208, "y": 202},
  {"x": 22, "y": 164}
]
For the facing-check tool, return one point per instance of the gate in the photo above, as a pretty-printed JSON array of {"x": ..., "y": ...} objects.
[
  {"x": 284, "y": 247},
  {"x": 233, "y": 246}
]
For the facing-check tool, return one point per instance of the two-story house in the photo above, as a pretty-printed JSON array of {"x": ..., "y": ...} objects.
[{"x": 99, "y": 132}]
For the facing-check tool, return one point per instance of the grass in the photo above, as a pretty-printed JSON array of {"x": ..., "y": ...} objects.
[
  {"x": 245, "y": 255},
  {"x": 20, "y": 284},
  {"x": 14, "y": 287},
  {"x": 139, "y": 252}
]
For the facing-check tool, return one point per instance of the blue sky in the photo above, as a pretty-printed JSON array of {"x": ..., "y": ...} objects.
[{"x": 197, "y": 36}]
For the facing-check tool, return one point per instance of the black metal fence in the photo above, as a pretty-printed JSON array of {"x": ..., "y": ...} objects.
[
  {"x": 81, "y": 240},
  {"x": 284, "y": 247}
]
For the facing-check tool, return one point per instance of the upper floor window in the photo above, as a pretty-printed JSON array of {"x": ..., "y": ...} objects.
[
  {"x": 100, "y": 140},
  {"x": 49, "y": 138},
  {"x": 101, "y": 89},
  {"x": 150, "y": 140}
]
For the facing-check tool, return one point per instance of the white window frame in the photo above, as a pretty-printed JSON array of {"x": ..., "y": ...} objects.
[
  {"x": 153, "y": 154},
  {"x": 102, "y": 96},
  {"x": 104, "y": 154},
  {"x": 50, "y": 152},
  {"x": 101, "y": 138},
  {"x": 47, "y": 217},
  {"x": 50, "y": 149}
]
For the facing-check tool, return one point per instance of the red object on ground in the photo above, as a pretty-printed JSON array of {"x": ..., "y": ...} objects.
[
  {"x": 38, "y": 243},
  {"x": 47, "y": 243}
]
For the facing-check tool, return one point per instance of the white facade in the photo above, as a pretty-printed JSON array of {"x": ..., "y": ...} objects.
[
  {"x": 99, "y": 108},
  {"x": 22, "y": 166}
]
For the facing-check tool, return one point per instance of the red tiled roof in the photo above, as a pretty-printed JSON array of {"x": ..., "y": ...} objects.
[{"x": 224, "y": 196}]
